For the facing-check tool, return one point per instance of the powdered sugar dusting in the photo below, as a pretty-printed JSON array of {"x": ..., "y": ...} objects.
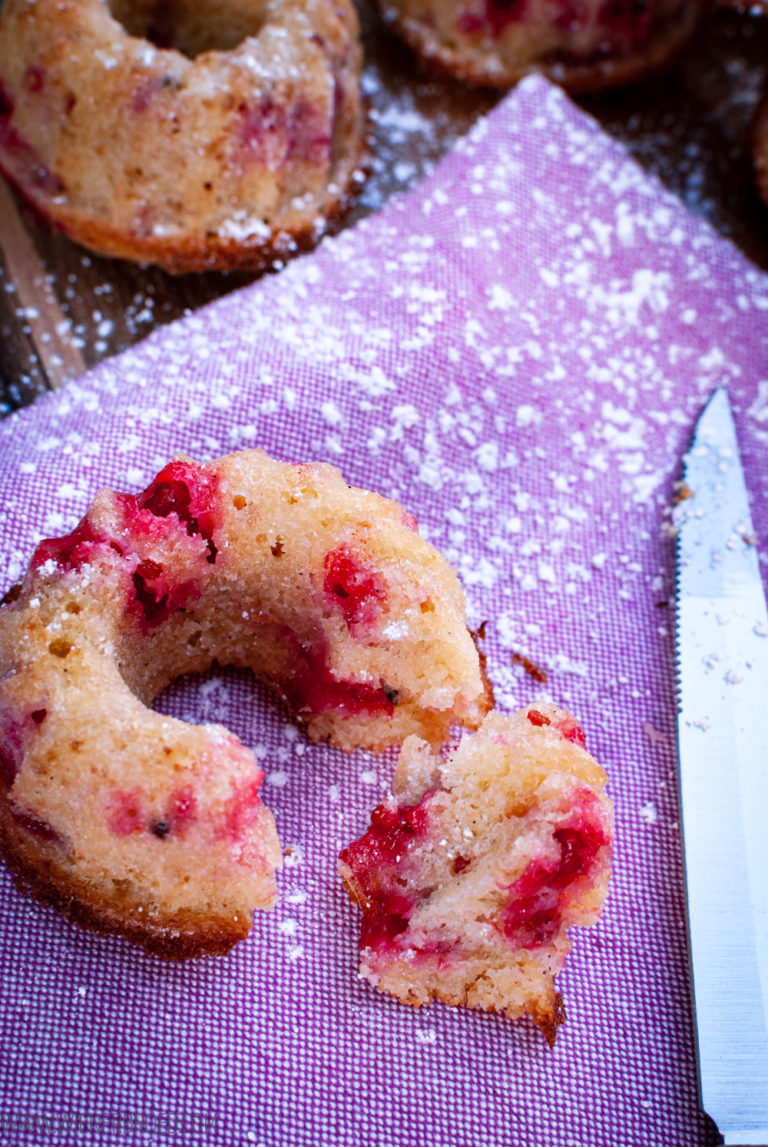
[{"x": 531, "y": 412}]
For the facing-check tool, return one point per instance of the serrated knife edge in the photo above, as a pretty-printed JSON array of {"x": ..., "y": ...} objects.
[{"x": 722, "y": 662}]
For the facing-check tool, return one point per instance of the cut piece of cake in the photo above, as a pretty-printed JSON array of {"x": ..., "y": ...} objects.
[{"x": 471, "y": 874}]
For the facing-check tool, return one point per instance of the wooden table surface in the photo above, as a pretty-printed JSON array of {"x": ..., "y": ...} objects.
[{"x": 63, "y": 310}]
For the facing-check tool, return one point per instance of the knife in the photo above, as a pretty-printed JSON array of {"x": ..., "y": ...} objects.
[{"x": 722, "y": 738}]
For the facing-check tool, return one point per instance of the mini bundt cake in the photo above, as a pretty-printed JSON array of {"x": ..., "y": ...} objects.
[
  {"x": 584, "y": 45},
  {"x": 144, "y": 825},
  {"x": 471, "y": 874},
  {"x": 192, "y": 135}
]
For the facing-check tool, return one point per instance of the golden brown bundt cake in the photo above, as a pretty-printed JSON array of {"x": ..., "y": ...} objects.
[
  {"x": 145, "y": 825},
  {"x": 584, "y": 45},
  {"x": 192, "y": 135}
]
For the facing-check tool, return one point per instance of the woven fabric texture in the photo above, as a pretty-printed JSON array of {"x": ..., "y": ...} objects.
[{"x": 517, "y": 351}]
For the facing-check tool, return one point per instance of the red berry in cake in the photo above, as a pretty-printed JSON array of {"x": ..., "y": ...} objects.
[
  {"x": 373, "y": 861},
  {"x": 242, "y": 807},
  {"x": 627, "y": 21},
  {"x": 355, "y": 588},
  {"x": 570, "y": 728},
  {"x": 470, "y": 877},
  {"x": 499, "y": 13},
  {"x": 11, "y": 749},
  {"x": 125, "y": 812},
  {"x": 311, "y": 689},
  {"x": 537, "y": 718},
  {"x": 584, "y": 45},
  {"x": 71, "y": 551},
  {"x": 188, "y": 491},
  {"x": 537, "y": 899},
  {"x": 323, "y": 693},
  {"x": 36, "y": 827},
  {"x": 323, "y": 590},
  {"x": 181, "y": 810},
  {"x": 222, "y": 147}
]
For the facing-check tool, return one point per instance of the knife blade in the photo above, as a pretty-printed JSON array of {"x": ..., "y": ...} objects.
[{"x": 722, "y": 737}]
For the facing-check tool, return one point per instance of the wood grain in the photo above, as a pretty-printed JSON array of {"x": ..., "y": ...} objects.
[
  {"x": 49, "y": 331},
  {"x": 63, "y": 309}
]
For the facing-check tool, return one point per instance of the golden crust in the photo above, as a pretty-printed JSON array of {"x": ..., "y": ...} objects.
[
  {"x": 196, "y": 254},
  {"x": 547, "y": 1011},
  {"x": 134, "y": 823},
  {"x": 483, "y": 66},
  {"x": 218, "y": 159},
  {"x": 173, "y": 942}
]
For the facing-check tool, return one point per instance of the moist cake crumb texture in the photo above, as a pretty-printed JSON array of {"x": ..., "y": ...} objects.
[
  {"x": 472, "y": 872},
  {"x": 135, "y": 822}
]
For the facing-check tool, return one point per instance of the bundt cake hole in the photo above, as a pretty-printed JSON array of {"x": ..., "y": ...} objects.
[
  {"x": 190, "y": 28},
  {"x": 256, "y": 107},
  {"x": 166, "y": 582},
  {"x": 197, "y": 692}
]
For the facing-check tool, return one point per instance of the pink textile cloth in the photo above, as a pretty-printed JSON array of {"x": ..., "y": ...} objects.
[{"x": 516, "y": 350}]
